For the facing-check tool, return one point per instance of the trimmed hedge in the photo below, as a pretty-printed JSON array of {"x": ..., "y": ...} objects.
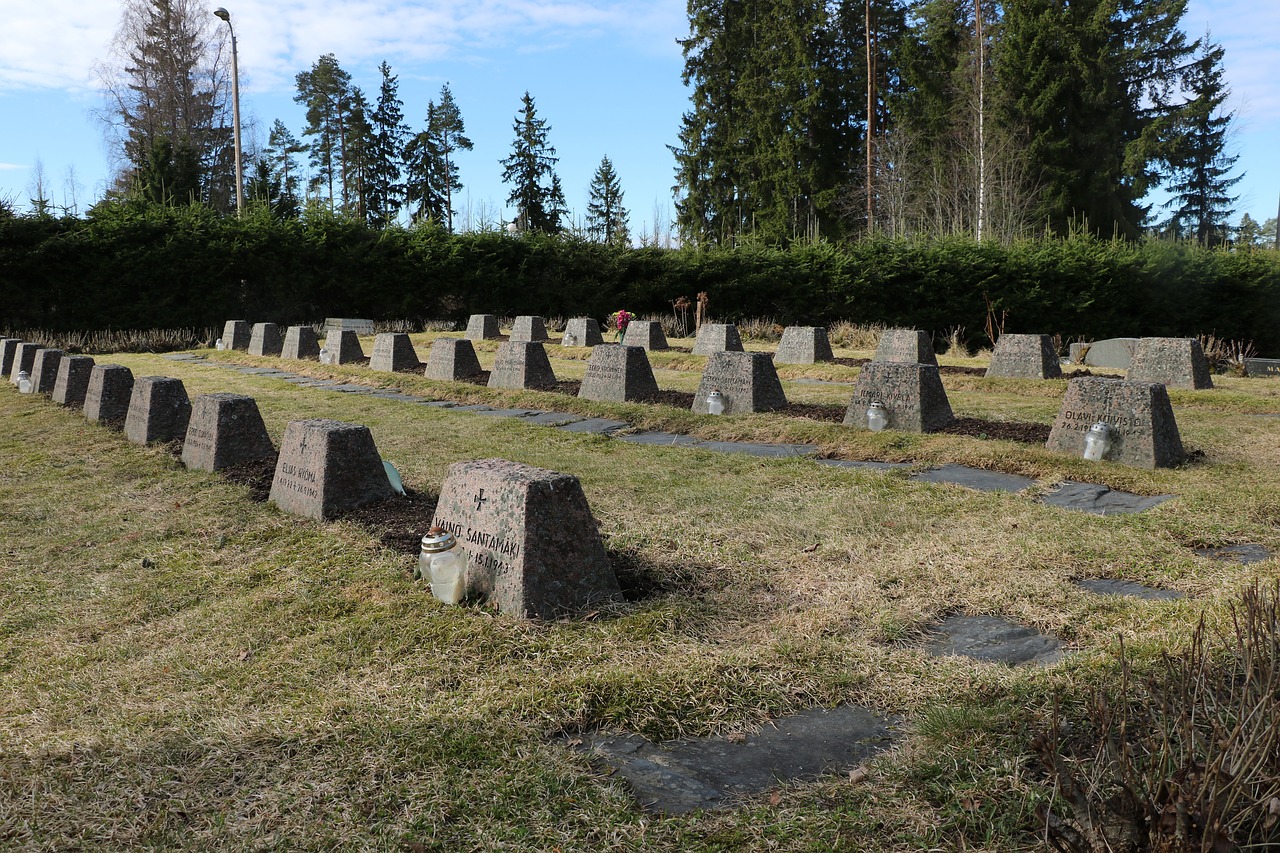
[{"x": 131, "y": 266}]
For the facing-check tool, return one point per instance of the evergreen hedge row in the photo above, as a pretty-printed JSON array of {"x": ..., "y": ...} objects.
[{"x": 133, "y": 266}]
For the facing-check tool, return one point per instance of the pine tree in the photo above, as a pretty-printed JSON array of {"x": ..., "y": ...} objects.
[
  {"x": 606, "y": 215},
  {"x": 530, "y": 170},
  {"x": 386, "y": 152},
  {"x": 325, "y": 89}
]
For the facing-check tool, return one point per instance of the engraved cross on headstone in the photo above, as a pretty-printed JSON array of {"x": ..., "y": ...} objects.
[{"x": 480, "y": 500}]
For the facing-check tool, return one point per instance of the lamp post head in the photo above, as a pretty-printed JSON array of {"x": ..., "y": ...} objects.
[{"x": 223, "y": 14}]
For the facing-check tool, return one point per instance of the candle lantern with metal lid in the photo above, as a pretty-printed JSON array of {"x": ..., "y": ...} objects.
[
  {"x": 1097, "y": 441},
  {"x": 24, "y": 382},
  {"x": 715, "y": 403},
  {"x": 877, "y": 416},
  {"x": 218, "y": 345},
  {"x": 440, "y": 564},
  {"x": 324, "y": 355}
]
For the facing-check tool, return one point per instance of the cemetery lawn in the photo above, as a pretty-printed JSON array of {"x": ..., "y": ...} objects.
[{"x": 183, "y": 668}]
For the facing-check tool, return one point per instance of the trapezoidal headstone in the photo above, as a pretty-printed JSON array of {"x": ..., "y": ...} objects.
[
  {"x": 522, "y": 364},
  {"x": 912, "y": 394},
  {"x": 905, "y": 346},
  {"x": 618, "y": 374},
  {"x": 717, "y": 337},
  {"x": 342, "y": 346},
  {"x": 1173, "y": 362},
  {"x": 225, "y": 430},
  {"x": 582, "y": 332},
  {"x": 1024, "y": 357},
  {"x": 236, "y": 334},
  {"x": 747, "y": 380},
  {"x": 265, "y": 340},
  {"x": 393, "y": 351},
  {"x": 1143, "y": 431},
  {"x": 529, "y": 328},
  {"x": 8, "y": 348},
  {"x": 159, "y": 410},
  {"x": 326, "y": 468},
  {"x": 452, "y": 359},
  {"x": 24, "y": 359},
  {"x": 300, "y": 343},
  {"x": 803, "y": 345},
  {"x": 73, "y": 380},
  {"x": 482, "y": 327},
  {"x": 645, "y": 333},
  {"x": 44, "y": 373},
  {"x": 531, "y": 543},
  {"x": 106, "y": 400}
]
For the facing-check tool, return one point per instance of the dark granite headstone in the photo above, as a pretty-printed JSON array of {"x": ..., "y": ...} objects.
[
  {"x": 225, "y": 430},
  {"x": 748, "y": 381},
  {"x": 24, "y": 358},
  {"x": 236, "y": 334},
  {"x": 159, "y": 410},
  {"x": 803, "y": 345},
  {"x": 582, "y": 332},
  {"x": 452, "y": 359},
  {"x": 1173, "y": 362},
  {"x": 73, "y": 380},
  {"x": 618, "y": 374},
  {"x": 1025, "y": 357},
  {"x": 109, "y": 392},
  {"x": 44, "y": 374},
  {"x": 482, "y": 327},
  {"x": 393, "y": 351},
  {"x": 326, "y": 468},
  {"x": 301, "y": 343},
  {"x": 1143, "y": 430},
  {"x": 531, "y": 543},
  {"x": 909, "y": 346},
  {"x": 529, "y": 328},
  {"x": 265, "y": 340},
  {"x": 645, "y": 333},
  {"x": 1112, "y": 352},
  {"x": 343, "y": 347},
  {"x": 717, "y": 337},
  {"x": 912, "y": 394},
  {"x": 1262, "y": 367},
  {"x": 8, "y": 349},
  {"x": 522, "y": 364}
]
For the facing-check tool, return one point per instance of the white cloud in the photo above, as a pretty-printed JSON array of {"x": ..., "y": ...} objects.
[
  {"x": 1247, "y": 29},
  {"x": 12, "y": 167}
]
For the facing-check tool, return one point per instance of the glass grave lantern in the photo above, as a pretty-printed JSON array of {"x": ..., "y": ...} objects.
[
  {"x": 715, "y": 403},
  {"x": 24, "y": 382},
  {"x": 440, "y": 564},
  {"x": 877, "y": 416},
  {"x": 1097, "y": 441}
]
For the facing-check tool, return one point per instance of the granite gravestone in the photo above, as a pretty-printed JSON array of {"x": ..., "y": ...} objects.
[
  {"x": 8, "y": 349},
  {"x": 748, "y": 381},
  {"x": 265, "y": 340},
  {"x": 618, "y": 374},
  {"x": 452, "y": 359},
  {"x": 1113, "y": 352},
  {"x": 582, "y": 332},
  {"x": 235, "y": 335},
  {"x": 1262, "y": 367},
  {"x": 1024, "y": 357},
  {"x": 645, "y": 333},
  {"x": 343, "y": 347},
  {"x": 300, "y": 343},
  {"x": 803, "y": 345},
  {"x": 106, "y": 400},
  {"x": 24, "y": 359},
  {"x": 393, "y": 351},
  {"x": 530, "y": 542},
  {"x": 1173, "y": 362},
  {"x": 905, "y": 346},
  {"x": 912, "y": 394},
  {"x": 44, "y": 372},
  {"x": 225, "y": 430},
  {"x": 348, "y": 324},
  {"x": 159, "y": 410},
  {"x": 529, "y": 328},
  {"x": 717, "y": 337},
  {"x": 73, "y": 380},
  {"x": 522, "y": 364},
  {"x": 482, "y": 327},
  {"x": 1143, "y": 430},
  {"x": 326, "y": 468}
]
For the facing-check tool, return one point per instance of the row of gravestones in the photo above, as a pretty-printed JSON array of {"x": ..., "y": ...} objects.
[{"x": 532, "y": 545}]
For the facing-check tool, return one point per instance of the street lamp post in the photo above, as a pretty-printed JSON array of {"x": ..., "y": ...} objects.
[{"x": 235, "y": 107}]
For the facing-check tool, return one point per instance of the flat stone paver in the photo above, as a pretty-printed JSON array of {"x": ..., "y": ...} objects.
[
  {"x": 596, "y": 426},
  {"x": 351, "y": 388},
  {"x": 440, "y": 404},
  {"x": 553, "y": 419},
  {"x": 508, "y": 413},
  {"x": 1087, "y": 497},
  {"x": 676, "y": 777},
  {"x": 661, "y": 439},
  {"x": 1106, "y": 586},
  {"x": 770, "y": 451},
  {"x": 473, "y": 407},
  {"x": 974, "y": 478},
  {"x": 1244, "y": 554},
  {"x": 991, "y": 638},
  {"x": 863, "y": 464},
  {"x": 183, "y": 356}
]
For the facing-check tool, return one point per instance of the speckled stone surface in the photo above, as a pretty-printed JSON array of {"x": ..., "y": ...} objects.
[
  {"x": 1143, "y": 430},
  {"x": 1100, "y": 500},
  {"x": 224, "y": 430},
  {"x": 159, "y": 410},
  {"x": 645, "y": 333},
  {"x": 109, "y": 392},
  {"x": 393, "y": 351},
  {"x": 265, "y": 340},
  {"x": 72, "y": 383},
  {"x": 346, "y": 344},
  {"x": 481, "y": 327},
  {"x": 300, "y": 343},
  {"x": 717, "y": 337},
  {"x": 522, "y": 364},
  {"x": 529, "y": 328},
  {"x": 452, "y": 359},
  {"x": 747, "y": 380},
  {"x": 8, "y": 348},
  {"x": 912, "y": 393},
  {"x": 618, "y": 374},
  {"x": 582, "y": 332},
  {"x": 236, "y": 334},
  {"x": 990, "y": 638},
  {"x": 803, "y": 345},
  {"x": 1173, "y": 362},
  {"x": 24, "y": 358},
  {"x": 911, "y": 346},
  {"x": 531, "y": 542},
  {"x": 327, "y": 467},
  {"x": 1024, "y": 357},
  {"x": 44, "y": 370}
]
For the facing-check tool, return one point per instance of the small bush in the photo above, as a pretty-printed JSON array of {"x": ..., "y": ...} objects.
[{"x": 1226, "y": 356}]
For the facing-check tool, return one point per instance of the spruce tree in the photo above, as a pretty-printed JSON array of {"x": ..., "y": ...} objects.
[
  {"x": 429, "y": 157},
  {"x": 385, "y": 192},
  {"x": 282, "y": 145},
  {"x": 530, "y": 171},
  {"x": 606, "y": 215}
]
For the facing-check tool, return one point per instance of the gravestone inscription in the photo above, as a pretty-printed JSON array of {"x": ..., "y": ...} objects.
[
  {"x": 44, "y": 373},
  {"x": 645, "y": 333},
  {"x": 522, "y": 364},
  {"x": 236, "y": 334},
  {"x": 912, "y": 394},
  {"x": 265, "y": 340},
  {"x": 393, "y": 351},
  {"x": 452, "y": 359},
  {"x": 618, "y": 374},
  {"x": 159, "y": 410},
  {"x": 582, "y": 332},
  {"x": 747, "y": 380},
  {"x": 1142, "y": 428},
  {"x": 327, "y": 467},
  {"x": 529, "y": 328},
  {"x": 482, "y": 327},
  {"x": 106, "y": 400},
  {"x": 803, "y": 345},
  {"x": 1262, "y": 367},
  {"x": 717, "y": 337},
  {"x": 73, "y": 380},
  {"x": 300, "y": 343},
  {"x": 908, "y": 346},
  {"x": 225, "y": 430},
  {"x": 1173, "y": 362},
  {"x": 1024, "y": 357}
]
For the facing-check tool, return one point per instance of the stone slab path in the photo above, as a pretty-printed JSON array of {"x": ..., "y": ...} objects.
[
  {"x": 1106, "y": 586},
  {"x": 990, "y": 638}
]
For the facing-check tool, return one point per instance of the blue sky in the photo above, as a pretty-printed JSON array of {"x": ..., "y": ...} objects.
[{"x": 605, "y": 75}]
